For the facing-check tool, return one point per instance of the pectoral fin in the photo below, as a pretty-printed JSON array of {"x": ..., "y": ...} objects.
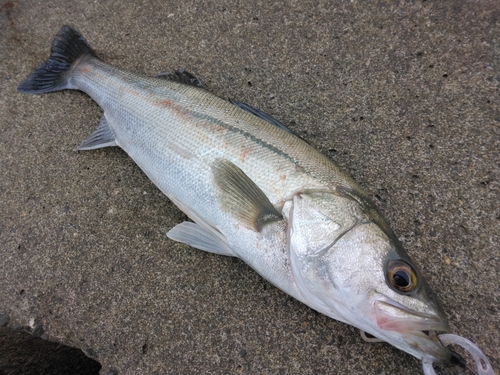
[{"x": 241, "y": 197}]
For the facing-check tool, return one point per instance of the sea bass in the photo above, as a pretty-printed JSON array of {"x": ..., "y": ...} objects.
[{"x": 256, "y": 191}]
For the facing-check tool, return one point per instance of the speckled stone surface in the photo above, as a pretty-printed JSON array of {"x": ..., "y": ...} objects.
[{"x": 403, "y": 96}]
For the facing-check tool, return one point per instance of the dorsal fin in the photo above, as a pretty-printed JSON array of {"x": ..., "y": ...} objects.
[
  {"x": 181, "y": 76},
  {"x": 187, "y": 78},
  {"x": 264, "y": 116}
]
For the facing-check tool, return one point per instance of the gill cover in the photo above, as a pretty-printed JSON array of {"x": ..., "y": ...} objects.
[{"x": 317, "y": 221}]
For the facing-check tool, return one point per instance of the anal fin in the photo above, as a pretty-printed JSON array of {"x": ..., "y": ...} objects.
[{"x": 102, "y": 137}]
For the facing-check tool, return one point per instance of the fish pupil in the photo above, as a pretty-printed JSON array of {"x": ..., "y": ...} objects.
[{"x": 401, "y": 279}]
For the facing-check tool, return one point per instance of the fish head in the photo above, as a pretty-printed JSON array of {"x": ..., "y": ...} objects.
[{"x": 349, "y": 265}]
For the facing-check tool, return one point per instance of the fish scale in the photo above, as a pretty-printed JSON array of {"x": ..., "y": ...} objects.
[{"x": 154, "y": 111}]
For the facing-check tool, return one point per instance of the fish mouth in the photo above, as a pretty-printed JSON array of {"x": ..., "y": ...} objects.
[{"x": 417, "y": 329}]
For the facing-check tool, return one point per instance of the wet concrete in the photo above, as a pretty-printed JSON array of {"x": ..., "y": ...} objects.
[{"x": 404, "y": 97}]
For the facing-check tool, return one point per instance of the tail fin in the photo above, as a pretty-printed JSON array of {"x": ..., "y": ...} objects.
[{"x": 53, "y": 75}]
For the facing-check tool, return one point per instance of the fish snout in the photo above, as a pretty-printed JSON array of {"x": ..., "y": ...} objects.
[{"x": 417, "y": 329}]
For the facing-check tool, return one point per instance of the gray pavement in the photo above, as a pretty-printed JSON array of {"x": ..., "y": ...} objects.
[{"x": 403, "y": 96}]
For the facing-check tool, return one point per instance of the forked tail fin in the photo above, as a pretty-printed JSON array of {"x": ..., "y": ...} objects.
[{"x": 68, "y": 47}]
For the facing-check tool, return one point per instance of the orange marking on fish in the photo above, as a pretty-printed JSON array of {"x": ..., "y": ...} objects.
[
  {"x": 162, "y": 103},
  {"x": 283, "y": 177},
  {"x": 243, "y": 155},
  {"x": 85, "y": 70}
]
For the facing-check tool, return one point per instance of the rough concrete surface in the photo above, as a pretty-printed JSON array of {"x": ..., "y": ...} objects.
[{"x": 403, "y": 96}]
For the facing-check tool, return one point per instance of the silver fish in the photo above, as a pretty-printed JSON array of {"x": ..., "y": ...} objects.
[{"x": 257, "y": 192}]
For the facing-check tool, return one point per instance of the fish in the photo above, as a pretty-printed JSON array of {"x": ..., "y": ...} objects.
[{"x": 256, "y": 191}]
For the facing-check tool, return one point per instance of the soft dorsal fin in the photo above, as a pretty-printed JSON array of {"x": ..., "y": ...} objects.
[
  {"x": 241, "y": 197},
  {"x": 181, "y": 76}
]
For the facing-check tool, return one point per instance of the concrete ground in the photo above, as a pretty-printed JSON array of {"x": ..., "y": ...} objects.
[{"x": 403, "y": 96}]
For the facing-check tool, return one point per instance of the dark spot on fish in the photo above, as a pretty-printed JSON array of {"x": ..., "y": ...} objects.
[{"x": 243, "y": 353}]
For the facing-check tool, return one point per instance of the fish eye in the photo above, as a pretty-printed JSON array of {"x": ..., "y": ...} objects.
[{"x": 401, "y": 276}]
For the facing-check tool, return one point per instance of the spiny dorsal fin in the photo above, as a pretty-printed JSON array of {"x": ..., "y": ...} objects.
[
  {"x": 181, "y": 76},
  {"x": 261, "y": 114},
  {"x": 264, "y": 116},
  {"x": 241, "y": 197}
]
